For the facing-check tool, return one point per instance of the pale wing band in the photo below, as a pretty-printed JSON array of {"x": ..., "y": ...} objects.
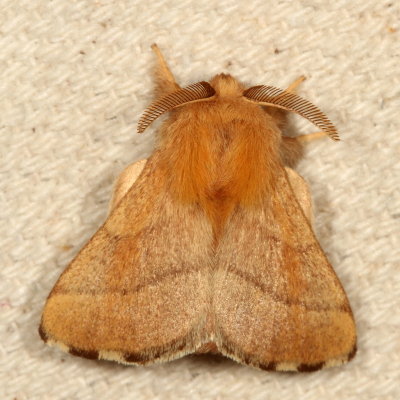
[
  {"x": 197, "y": 91},
  {"x": 271, "y": 96}
]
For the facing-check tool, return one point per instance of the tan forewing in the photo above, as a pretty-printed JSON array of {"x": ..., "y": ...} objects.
[
  {"x": 278, "y": 303},
  {"x": 138, "y": 292}
]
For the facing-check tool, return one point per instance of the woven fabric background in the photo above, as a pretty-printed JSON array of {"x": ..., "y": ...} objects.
[{"x": 74, "y": 79}]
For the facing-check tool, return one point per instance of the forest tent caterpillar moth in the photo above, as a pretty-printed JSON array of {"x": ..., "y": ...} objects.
[{"x": 208, "y": 246}]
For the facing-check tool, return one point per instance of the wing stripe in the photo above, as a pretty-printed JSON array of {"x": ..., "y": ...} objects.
[
  {"x": 154, "y": 281},
  {"x": 280, "y": 299}
]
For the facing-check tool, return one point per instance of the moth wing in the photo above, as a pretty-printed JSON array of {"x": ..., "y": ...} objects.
[
  {"x": 278, "y": 303},
  {"x": 138, "y": 291}
]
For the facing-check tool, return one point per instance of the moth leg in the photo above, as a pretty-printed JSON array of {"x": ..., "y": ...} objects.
[
  {"x": 164, "y": 80},
  {"x": 125, "y": 181},
  {"x": 311, "y": 137},
  {"x": 292, "y": 148},
  {"x": 294, "y": 85}
]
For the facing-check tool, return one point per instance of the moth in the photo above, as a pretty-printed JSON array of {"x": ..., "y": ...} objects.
[{"x": 208, "y": 247}]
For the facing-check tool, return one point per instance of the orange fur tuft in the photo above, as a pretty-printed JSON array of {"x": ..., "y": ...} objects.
[{"x": 215, "y": 152}]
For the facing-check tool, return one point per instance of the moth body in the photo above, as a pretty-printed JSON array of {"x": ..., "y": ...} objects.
[{"x": 208, "y": 246}]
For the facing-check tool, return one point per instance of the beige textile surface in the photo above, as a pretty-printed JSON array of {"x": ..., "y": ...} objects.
[{"x": 75, "y": 77}]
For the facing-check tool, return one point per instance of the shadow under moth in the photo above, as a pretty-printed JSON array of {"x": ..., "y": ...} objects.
[{"x": 208, "y": 246}]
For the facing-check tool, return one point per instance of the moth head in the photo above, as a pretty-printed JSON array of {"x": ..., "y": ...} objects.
[{"x": 225, "y": 86}]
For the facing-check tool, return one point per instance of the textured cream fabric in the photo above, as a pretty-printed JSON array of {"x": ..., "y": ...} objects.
[{"x": 75, "y": 77}]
